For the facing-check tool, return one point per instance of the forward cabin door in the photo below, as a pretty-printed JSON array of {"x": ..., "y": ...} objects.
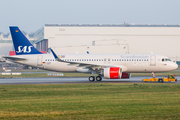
[
  {"x": 152, "y": 60},
  {"x": 39, "y": 60}
]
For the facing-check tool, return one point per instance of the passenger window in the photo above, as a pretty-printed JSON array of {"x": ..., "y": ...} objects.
[{"x": 89, "y": 59}]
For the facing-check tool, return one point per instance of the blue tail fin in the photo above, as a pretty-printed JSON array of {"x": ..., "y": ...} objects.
[{"x": 21, "y": 44}]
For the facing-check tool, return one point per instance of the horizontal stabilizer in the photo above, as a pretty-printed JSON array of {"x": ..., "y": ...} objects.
[{"x": 15, "y": 58}]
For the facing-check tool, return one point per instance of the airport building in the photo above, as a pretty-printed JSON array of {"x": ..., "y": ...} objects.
[
  {"x": 6, "y": 44},
  {"x": 110, "y": 38},
  {"x": 104, "y": 38}
]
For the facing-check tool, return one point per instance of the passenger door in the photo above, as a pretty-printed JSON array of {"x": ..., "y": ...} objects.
[
  {"x": 39, "y": 60},
  {"x": 152, "y": 60}
]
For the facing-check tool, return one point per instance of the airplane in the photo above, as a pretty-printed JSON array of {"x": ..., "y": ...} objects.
[{"x": 109, "y": 66}]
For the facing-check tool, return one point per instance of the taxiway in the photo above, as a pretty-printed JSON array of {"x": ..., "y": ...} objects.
[{"x": 63, "y": 80}]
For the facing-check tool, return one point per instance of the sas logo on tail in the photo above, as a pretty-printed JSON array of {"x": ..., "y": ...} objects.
[{"x": 24, "y": 49}]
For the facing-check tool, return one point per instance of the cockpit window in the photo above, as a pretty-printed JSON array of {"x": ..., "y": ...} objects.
[
  {"x": 168, "y": 59},
  {"x": 165, "y": 59}
]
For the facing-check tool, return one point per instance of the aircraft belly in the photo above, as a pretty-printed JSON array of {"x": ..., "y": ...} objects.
[{"x": 61, "y": 67}]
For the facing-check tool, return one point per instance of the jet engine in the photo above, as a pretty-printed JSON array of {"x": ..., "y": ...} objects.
[
  {"x": 112, "y": 73},
  {"x": 115, "y": 73}
]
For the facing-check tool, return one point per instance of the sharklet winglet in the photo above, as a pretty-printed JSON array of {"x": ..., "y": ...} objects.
[{"x": 55, "y": 56}]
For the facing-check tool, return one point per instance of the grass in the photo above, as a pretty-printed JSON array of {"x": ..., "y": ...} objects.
[
  {"x": 177, "y": 73},
  {"x": 29, "y": 75},
  {"x": 90, "y": 101}
]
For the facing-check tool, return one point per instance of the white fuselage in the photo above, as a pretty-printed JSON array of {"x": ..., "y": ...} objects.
[{"x": 128, "y": 62}]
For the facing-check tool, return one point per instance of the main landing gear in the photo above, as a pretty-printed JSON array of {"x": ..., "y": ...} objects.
[{"x": 92, "y": 78}]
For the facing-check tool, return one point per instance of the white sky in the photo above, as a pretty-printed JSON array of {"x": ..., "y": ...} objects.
[{"x": 30, "y": 15}]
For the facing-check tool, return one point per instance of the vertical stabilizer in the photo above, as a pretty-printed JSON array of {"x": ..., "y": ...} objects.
[{"x": 21, "y": 44}]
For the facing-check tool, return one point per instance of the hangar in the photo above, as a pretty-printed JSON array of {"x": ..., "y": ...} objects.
[{"x": 110, "y": 38}]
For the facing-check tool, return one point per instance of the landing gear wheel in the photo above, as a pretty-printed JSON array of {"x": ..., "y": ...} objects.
[
  {"x": 91, "y": 78},
  {"x": 98, "y": 78}
]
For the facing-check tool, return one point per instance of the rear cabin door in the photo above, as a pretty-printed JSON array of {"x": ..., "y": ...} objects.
[
  {"x": 39, "y": 60},
  {"x": 152, "y": 60}
]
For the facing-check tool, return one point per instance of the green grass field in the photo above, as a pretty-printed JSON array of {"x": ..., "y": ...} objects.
[{"x": 91, "y": 101}]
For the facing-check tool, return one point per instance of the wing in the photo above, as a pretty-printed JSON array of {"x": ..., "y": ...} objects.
[{"x": 86, "y": 65}]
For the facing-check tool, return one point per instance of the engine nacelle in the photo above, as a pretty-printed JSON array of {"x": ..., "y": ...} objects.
[
  {"x": 115, "y": 73},
  {"x": 125, "y": 75},
  {"x": 112, "y": 73}
]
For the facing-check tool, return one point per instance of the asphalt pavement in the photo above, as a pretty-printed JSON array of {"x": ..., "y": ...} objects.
[{"x": 63, "y": 80}]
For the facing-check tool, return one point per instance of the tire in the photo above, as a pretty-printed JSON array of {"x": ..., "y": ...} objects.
[
  {"x": 91, "y": 78},
  {"x": 98, "y": 78},
  {"x": 160, "y": 80}
]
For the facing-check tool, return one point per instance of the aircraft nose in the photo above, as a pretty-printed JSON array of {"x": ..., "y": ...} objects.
[{"x": 174, "y": 66}]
